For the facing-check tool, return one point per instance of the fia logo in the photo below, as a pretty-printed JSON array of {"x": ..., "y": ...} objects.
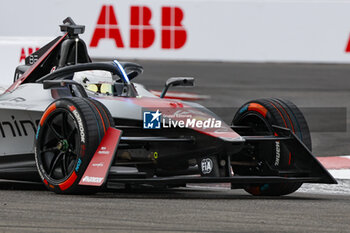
[
  {"x": 151, "y": 120},
  {"x": 207, "y": 165}
]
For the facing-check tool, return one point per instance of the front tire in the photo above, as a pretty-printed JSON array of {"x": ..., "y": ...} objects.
[
  {"x": 68, "y": 135},
  {"x": 261, "y": 115}
]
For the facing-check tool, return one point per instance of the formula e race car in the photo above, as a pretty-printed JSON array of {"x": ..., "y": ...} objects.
[{"x": 81, "y": 126}]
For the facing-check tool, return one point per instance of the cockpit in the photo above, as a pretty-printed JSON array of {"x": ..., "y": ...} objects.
[{"x": 100, "y": 82}]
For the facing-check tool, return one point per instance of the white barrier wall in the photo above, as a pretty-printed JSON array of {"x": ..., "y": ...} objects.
[{"x": 220, "y": 30}]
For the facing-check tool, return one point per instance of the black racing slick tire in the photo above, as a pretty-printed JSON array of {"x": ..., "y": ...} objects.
[
  {"x": 104, "y": 112},
  {"x": 68, "y": 135},
  {"x": 261, "y": 115}
]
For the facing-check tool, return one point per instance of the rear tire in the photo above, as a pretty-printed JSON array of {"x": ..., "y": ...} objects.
[
  {"x": 68, "y": 135},
  {"x": 261, "y": 114}
]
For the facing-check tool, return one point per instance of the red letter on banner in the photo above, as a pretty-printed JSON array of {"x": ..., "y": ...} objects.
[
  {"x": 347, "y": 49},
  {"x": 107, "y": 27},
  {"x": 24, "y": 55},
  {"x": 141, "y": 32},
  {"x": 173, "y": 33}
]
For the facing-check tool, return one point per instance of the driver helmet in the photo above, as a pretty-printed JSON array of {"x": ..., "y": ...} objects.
[{"x": 97, "y": 81}]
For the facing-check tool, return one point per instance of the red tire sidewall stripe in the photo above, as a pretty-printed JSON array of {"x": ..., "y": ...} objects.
[
  {"x": 257, "y": 108},
  {"x": 67, "y": 183},
  {"x": 51, "y": 108}
]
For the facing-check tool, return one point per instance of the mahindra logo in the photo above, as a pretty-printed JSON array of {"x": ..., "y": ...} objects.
[
  {"x": 142, "y": 33},
  {"x": 18, "y": 128}
]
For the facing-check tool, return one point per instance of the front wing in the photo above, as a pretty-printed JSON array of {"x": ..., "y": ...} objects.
[{"x": 309, "y": 169}]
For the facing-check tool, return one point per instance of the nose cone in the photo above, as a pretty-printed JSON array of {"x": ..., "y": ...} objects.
[{"x": 172, "y": 114}]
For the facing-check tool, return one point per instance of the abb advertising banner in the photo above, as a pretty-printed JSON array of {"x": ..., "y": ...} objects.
[{"x": 220, "y": 30}]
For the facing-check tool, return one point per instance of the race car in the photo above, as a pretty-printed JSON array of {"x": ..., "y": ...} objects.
[{"x": 80, "y": 126}]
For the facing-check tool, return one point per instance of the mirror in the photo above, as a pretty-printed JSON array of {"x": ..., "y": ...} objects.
[{"x": 177, "y": 81}]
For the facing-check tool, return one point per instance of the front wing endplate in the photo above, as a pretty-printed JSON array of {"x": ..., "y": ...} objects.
[{"x": 97, "y": 171}]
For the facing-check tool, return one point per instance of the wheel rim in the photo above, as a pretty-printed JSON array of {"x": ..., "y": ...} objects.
[{"x": 59, "y": 145}]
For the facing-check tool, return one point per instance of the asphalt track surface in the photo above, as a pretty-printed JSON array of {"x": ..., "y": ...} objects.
[{"x": 30, "y": 208}]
